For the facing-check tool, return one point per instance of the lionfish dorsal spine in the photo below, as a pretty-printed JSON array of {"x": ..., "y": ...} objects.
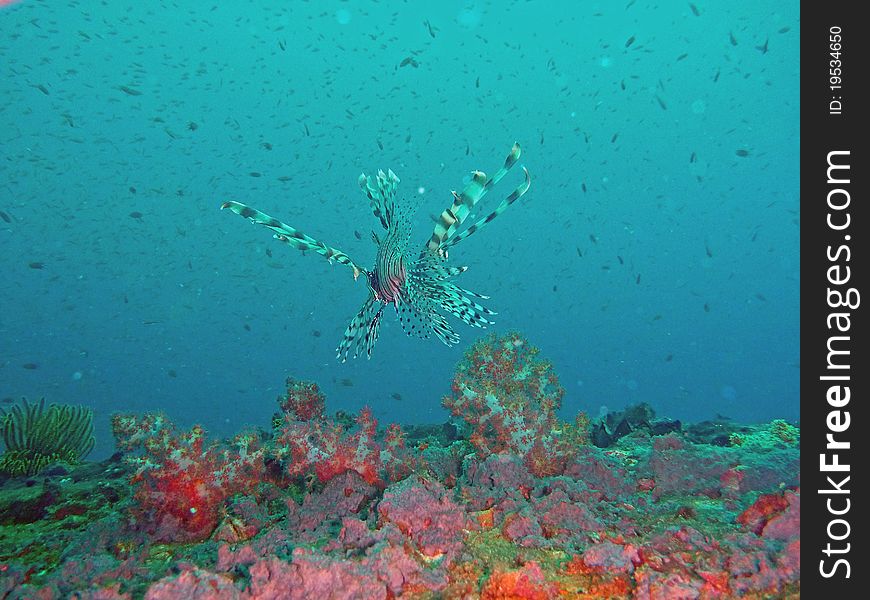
[{"x": 381, "y": 192}]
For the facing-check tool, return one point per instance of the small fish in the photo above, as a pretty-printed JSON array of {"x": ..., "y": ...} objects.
[
  {"x": 579, "y": 252},
  {"x": 592, "y": 238},
  {"x": 380, "y": 145},
  {"x": 269, "y": 252},
  {"x": 5, "y": 216},
  {"x": 613, "y": 139},
  {"x": 255, "y": 174},
  {"x": 477, "y": 82},
  {"x": 583, "y": 187},
  {"x": 284, "y": 178},
  {"x": 784, "y": 30},
  {"x": 706, "y": 307},
  {"x": 131, "y": 189},
  {"x": 347, "y": 382},
  {"x": 629, "y": 41},
  {"x": 30, "y": 366},
  {"x": 709, "y": 252},
  {"x": 732, "y": 39},
  {"x": 429, "y": 27},
  {"x": 761, "y": 297},
  {"x": 661, "y": 102},
  {"x": 136, "y": 215},
  {"x": 315, "y": 333},
  {"x": 358, "y": 235},
  {"x": 695, "y": 10},
  {"x": 622, "y": 262},
  {"x": 763, "y": 48},
  {"x": 247, "y": 327},
  {"x": 129, "y": 91},
  {"x": 36, "y": 265},
  {"x": 693, "y": 158},
  {"x": 41, "y": 88},
  {"x": 682, "y": 56},
  {"x": 741, "y": 152},
  {"x": 669, "y": 358},
  {"x": 637, "y": 280},
  {"x": 191, "y": 126},
  {"x": 172, "y": 373},
  {"x": 716, "y": 76},
  {"x": 396, "y": 396},
  {"x": 282, "y": 44},
  {"x": 409, "y": 61}
]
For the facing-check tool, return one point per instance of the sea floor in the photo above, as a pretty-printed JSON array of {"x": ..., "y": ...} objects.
[{"x": 704, "y": 511}]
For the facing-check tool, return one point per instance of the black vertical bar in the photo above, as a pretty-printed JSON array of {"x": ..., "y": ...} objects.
[{"x": 834, "y": 370}]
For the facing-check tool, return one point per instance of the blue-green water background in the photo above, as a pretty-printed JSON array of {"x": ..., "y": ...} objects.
[{"x": 645, "y": 104}]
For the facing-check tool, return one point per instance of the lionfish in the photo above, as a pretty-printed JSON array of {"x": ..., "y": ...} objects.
[{"x": 417, "y": 286}]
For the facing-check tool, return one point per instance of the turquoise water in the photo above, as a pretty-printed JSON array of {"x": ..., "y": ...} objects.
[{"x": 655, "y": 257}]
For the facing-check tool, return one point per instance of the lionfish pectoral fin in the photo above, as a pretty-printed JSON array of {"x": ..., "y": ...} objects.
[
  {"x": 292, "y": 236},
  {"x": 362, "y": 331},
  {"x": 445, "y": 233},
  {"x": 481, "y": 223}
]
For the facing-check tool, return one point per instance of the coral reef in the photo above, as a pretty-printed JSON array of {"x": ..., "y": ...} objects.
[
  {"x": 335, "y": 507},
  {"x": 509, "y": 398}
]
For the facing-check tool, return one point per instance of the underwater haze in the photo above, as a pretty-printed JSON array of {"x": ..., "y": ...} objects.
[{"x": 654, "y": 258}]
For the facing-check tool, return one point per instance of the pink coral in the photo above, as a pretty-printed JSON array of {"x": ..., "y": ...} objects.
[
  {"x": 193, "y": 584},
  {"x": 425, "y": 513},
  {"x": 312, "y": 576}
]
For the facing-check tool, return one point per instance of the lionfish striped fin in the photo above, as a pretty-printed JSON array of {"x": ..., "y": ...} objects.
[
  {"x": 292, "y": 236},
  {"x": 463, "y": 203},
  {"x": 381, "y": 193},
  {"x": 362, "y": 331},
  {"x": 418, "y": 316},
  {"x": 481, "y": 223}
]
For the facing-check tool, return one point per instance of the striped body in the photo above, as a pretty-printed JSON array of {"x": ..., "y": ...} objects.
[{"x": 418, "y": 287}]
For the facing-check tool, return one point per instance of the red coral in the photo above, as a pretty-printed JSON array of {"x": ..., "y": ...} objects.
[
  {"x": 398, "y": 460},
  {"x": 304, "y": 400},
  {"x": 762, "y": 510},
  {"x": 182, "y": 483},
  {"x": 527, "y": 583},
  {"x": 323, "y": 447},
  {"x": 509, "y": 397}
]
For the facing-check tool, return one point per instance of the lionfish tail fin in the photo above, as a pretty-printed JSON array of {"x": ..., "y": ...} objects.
[
  {"x": 445, "y": 233},
  {"x": 292, "y": 236},
  {"x": 381, "y": 192}
]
